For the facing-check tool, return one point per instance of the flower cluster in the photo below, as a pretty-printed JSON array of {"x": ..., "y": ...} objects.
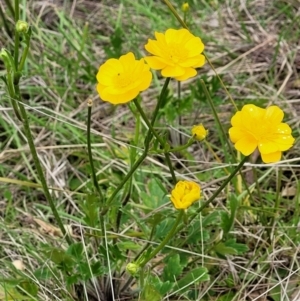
[
  {"x": 177, "y": 53},
  {"x": 254, "y": 127}
]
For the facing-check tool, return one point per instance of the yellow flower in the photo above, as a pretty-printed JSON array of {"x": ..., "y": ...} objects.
[
  {"x": 177, "y": 53},
  {"x": 185, "y": 7},
  {"x": 254, "y": 127},
  {"x": 185, "y": 194},
  {"x": 199, "y": 132},
  {"x": 121, "y": 80}
]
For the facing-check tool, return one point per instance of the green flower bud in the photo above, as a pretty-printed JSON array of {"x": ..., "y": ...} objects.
[
  {"x": 6, "y": 57},
  {"x": 132, "y": 268},
  {"x": 22, "y": 26}
]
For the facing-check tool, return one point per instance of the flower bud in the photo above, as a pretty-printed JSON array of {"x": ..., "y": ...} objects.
[
  {"x": 199, "y": 132},
  {"x": 185, "y": 7},
  {"x": 6, "y": 57},
  {"x": 132, "y": 268},
  {"x": 22, "y": 26},
  {"x": 185, "y": 194}
]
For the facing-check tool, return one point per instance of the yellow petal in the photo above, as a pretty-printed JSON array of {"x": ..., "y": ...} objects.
[
  {"x": 155, "y": 48},
  {"x": 267, "y": 147},
  {"x": 155, "y": 62},
  {"x": 274, "y": 114},
  {"x": 189, "y": 72},
  {"x": 251, "y": 112},
  {"x": 195, "y": 46},
  {"x": 246, "y": 145},
  {"x": 236, "y": 133},
  {"x": 282, "y": 137},
  {"x": 118, "y": 98},
  {"x": 195, "y": 62},
  {"x": 236, "y": 120},
  {"x": 145, "y": 82},
  {"x": 271, "y": 158},
  {"x": 170, "y": 71},
  {"x": 127, "y": 59},
  {"x": 108, "y": 70}
]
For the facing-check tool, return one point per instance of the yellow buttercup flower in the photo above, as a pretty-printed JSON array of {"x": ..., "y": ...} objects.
[
  {"x": 185, "y": 7},
  {"x": 199, "y": 132},
  {"x": 185, "y": 194},
  {"x": 254, "y": 127},
  {"x": 121, "y": 80},
  {"x": 177, "y": 53}
]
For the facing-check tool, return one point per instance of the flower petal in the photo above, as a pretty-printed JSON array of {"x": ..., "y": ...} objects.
[
  {"x": 274, "y": 114},
  {"x": 236, "y": 119},
  {"x": 195, "y": 46},
  {"x": 246, "y": 145},
  {"x": 236, "y": 133},
  {"x": 195, "y": 62},
  {"x": 189, "y": 72},
  {"x": 171, "y": 71},
  {"x": 271, "y": 158},
  {"x": 267, "y": 147},
  {"x": 155, "y": 62}
]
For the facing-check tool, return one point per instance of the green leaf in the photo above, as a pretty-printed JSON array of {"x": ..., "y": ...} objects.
[
  {"x": 10, "y": 293},
  {"x": 165, "y": 287},
  {"x": 149, "y": 293},
  {"x": 91, "y": 209},
  {"x": 239, "y": 247},
  {"x": 227, "y": 297},
  {"x": 76, "y": 250},
  {"x": 60, "y": 257},
  {"x": 30, "y": 287},
  {"x": 195, "y": 276},
  {"x": 128, "y": 245},
  {"x": 43, "y": 273},
  {"x": 211, "y": 219},
  {"x": 227, "y": 221},
  {"x": 223, "y": 250},
  {"x": 157, "y": 195},
  {"x": 172, "y": 269}
]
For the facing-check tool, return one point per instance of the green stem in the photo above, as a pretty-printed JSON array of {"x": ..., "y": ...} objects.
[
  {"x": 174, "y": 12},
  {"x": 162, "y": 142},
  {"x": 17, "y": 36},
  {"x": 167, "y": 238},
  {"x": 94, "y": 176},
  {"x": 40, "y": 172},
  {"x": 149, "y": 124},
  {"x": 277, "y": 203},
  {"x": 26, "y": 50},
  {"x": 216, "y": 117},
  {"x": 219, "y": 190},
  {"x": 146, "y": 149},
  {"x": 177, "y": 149},
  {"x": 89, "y": 147}
]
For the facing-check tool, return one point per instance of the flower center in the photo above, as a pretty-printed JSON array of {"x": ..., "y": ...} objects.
[
  {"x": 122, "y": 80},
  {"x": 261, "y": 130},
  {"x": 176, "y": 52}
]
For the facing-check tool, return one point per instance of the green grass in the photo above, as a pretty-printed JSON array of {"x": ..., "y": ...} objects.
[{"x": 241, "y": 246}]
